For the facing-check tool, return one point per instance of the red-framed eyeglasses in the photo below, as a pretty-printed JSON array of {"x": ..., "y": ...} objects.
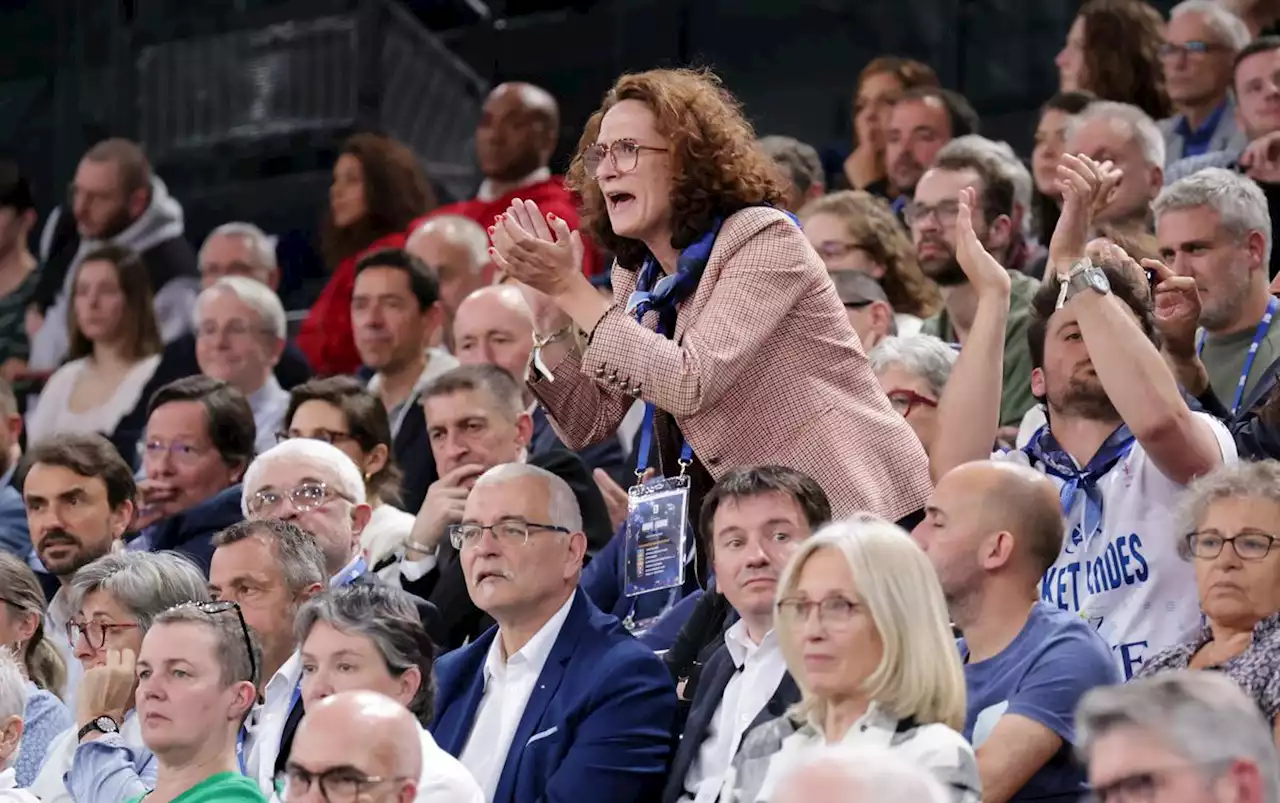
[{"x": 904, "y": 401}]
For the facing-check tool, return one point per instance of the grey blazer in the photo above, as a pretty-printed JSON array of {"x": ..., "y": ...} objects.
[{"x": 1226, "y": 137}]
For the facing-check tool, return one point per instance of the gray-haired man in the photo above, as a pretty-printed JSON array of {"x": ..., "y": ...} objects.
[{"x": 1177, "y": 737}]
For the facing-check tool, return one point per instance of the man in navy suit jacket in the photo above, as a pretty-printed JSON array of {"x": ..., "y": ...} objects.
[
  {"x": 596, "y": 707},
  {"x": 754, "y": 519}
]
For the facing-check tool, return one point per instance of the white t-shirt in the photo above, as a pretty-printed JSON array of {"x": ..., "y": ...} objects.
[{"x": 1128, "y": 580}]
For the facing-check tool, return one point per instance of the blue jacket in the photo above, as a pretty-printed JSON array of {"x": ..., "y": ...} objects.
[
  {"x": 14, "y": 535},
  {"x": 598, "y": 725},
  {"x": 191, "y": 532}
]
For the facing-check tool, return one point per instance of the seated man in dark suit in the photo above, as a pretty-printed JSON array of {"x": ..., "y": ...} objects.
[
  {"x": 198, "y": 442},
  {"x": 495, "y": 325},
  {"x": 477, "y": 421},
  {"x": 753, "y": 519},
  {"x": 595, "y": 706}
]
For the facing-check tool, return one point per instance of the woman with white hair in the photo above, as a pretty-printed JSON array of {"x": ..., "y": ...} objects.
[
  {"x": 864, "y": 630},
  {"x": 913, "y": 371},
  {"x": 115, "y": 599},
  {"x": 13, "y": 700}
]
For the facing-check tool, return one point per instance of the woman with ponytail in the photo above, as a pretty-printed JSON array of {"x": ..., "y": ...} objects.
[{"x": 22, "y": 618}]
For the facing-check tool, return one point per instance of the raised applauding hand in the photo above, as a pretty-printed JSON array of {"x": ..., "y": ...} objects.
[
  {"x": 987, "y": 276},
  {"x": 535, "y": 249},
  {"x": 1086, "y": 187}
]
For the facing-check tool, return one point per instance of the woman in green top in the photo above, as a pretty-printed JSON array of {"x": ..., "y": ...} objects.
[{"x": 196, "y": 684}]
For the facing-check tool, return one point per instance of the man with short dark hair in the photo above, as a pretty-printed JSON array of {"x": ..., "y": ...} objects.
[
  {"x": 920, "y": 122},
  {"x": 115, "y": 200},
  {"x": 199, "y": 441},
  {"x": 395, "y": 313},
  {"x": 931, "y": 215},
  {"x": 477, "y": 420},
  {"x": 1120, "y": 443},
  {"x": 18, "y": 274},
  {"x": 754, "y": 518},
  {"x": 991, "y": 530},
  {"x": 79, "y": 497}
]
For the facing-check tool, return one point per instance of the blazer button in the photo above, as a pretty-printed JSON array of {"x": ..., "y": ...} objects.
[
  {"x": 635, "y": 391},
  {"x": 600, "y": 372},
  {"x": 713, "y": 461},
  {"x": 613, "y": 377}
]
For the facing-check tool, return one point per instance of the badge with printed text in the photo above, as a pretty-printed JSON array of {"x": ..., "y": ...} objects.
[{"x": 656, "y": 534}]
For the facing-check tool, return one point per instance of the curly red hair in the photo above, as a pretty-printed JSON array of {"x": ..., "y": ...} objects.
[{"x": 718, "y": 168}]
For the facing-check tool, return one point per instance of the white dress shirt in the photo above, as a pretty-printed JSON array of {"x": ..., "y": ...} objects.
[
  {"x": 266, "y": 723},
  {"x": 761, "y": 668},
  {"x": 508, "y": 684},
  {"x": 269, "y": 403},
  {"x": 9, "y": 793},
  {"x": 444, "y": 779}
]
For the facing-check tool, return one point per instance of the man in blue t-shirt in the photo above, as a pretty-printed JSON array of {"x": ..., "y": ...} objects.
[{"x": 991, "y": 529}]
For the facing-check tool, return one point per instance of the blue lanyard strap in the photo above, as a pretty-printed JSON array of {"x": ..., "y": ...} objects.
[{"x": 1264, "y": 326}]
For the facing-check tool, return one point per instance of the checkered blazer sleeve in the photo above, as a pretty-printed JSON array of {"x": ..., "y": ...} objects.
[{"x": 762, "y": 278}]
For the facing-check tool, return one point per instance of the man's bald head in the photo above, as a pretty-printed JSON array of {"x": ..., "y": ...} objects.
[
  {"x": 1010, "y": 497},
  {"x": 494, "y": 325},
  {"x": 518, "y": 130},
  {"x": 457, "y": 249},
  {"x": 365, "y": 731}
]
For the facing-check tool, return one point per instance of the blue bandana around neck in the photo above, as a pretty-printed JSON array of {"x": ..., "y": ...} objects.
[
  {"x": 657, "y": 291},
  {"x": 1043, "y": 447}
]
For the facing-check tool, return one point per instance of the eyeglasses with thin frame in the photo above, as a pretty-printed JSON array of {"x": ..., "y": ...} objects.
[
  {"x": 511, "y": 531},
  {"x": 337, "y": 784},
  {"x": 623, "y": 153},
  {"x": 945, "y": 212},
  {"x": 304, "y": 497},
  {"x": 834, "y": 611},
  {"x": 94, "y": 632},
  {"x": 323, "y": 435},
  {"x": 835, "y": 249},
  {"x": 1248, "y": 544},
  {"x": 1170, "y": 50},
  {"x": 234, "y": 329},
  {"x": 904, "y": 401},
  {"x": 222, "y": 606}
]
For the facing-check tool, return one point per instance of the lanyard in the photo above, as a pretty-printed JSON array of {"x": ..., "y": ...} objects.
[
  {"x": 349, "y": 573},
  {"x": 240, "y": 738},
  {"x": 1264, "y": 326},
  {"x": 647, "y": 426}
]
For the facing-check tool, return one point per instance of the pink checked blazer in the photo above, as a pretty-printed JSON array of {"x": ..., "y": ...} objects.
[{"x": 764, "y": 368}]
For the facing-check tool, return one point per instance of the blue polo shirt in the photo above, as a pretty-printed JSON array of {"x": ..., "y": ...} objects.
[{"x": 1195, "y": 143}]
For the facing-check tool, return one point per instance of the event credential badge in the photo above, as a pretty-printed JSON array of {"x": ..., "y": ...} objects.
[{"x": 656, "y": 535}]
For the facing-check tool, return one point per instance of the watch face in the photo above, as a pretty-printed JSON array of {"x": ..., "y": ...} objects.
[
  {"x": 1098, "y": 280},
  {"x": 106, "y": 725}
]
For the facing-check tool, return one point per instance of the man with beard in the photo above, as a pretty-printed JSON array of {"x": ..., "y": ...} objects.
[
  {"x": 79, "y": 496},
  {"x": 1213, "y": 227},
  {"x": 1120, "y": 444},
  {"x": 920, "y": 122},
  {"x": 932, "y": 218},
  {"x": 991, "y": 529}
]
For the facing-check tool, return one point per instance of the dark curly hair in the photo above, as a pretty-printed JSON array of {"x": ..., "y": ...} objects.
[
  {"x": 395, "y": 192},
  {"x": 718, "y": 167},
  {"x": 1122, "y": 39}
]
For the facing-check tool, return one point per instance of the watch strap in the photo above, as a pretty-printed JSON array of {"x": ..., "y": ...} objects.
[{"x": 97, "y": 724}]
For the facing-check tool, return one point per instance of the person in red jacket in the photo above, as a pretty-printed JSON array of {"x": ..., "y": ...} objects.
[
  {"x": 517, "y": 134},
  {"x": 378, "y": 189}
]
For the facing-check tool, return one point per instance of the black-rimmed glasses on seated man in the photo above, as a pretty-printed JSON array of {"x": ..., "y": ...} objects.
[
  {"x": 304, "y": 497},
  {"x": 510, "y": 531},
  {"x": 337, "y": 784}
]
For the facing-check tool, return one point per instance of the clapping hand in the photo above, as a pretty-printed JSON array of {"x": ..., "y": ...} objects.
[
  {"x": 1087, "y": 187},
  {"x": 107, "y": 690},
  {"x": 988, "y": 277},
  {"x": 536, "y": 250},
  {"x": 1176, "y": 303}
]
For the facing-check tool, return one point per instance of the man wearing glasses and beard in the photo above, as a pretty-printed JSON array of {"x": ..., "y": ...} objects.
[{"x": 79, "y": 495}]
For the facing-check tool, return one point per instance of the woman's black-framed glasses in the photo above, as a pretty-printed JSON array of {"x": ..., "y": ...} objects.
[
  {"x": 513, "y": 531},
  {"x": 1248, "y": 544},
  {"x": 95, "y": 633},
  {"x": 623, "y": 153},
  {"x": 337, "y": 784},
  {"x": 222, "y": 606}
]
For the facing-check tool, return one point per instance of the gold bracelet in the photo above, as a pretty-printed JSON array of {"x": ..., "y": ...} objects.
[{"x": 540, "y": 341}]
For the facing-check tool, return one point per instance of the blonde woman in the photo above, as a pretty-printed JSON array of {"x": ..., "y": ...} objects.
[{"x": 864, "y": 630}]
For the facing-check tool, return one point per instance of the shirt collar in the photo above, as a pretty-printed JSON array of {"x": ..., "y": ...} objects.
[
  {"x": 742, "y": 648},
  {"x": 354, "y": 568},
  {"x": 488, "y": 194},
  {"x": 269, "y": 394},
  {"x": 1206, "y": 130},
  {"x": 535, "y": 652},
  {"x": 285, "y": 678},
  {"x": 9, "y": 779}
]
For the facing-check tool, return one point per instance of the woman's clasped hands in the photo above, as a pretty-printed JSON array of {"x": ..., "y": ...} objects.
[{"x": 536, "y": 249}]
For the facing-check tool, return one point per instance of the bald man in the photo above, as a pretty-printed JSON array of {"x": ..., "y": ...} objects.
[
  {"x": 858, "y": 775},
  {"x": 357, "y": 735},
  {"x": 494, "y": 325},
  {"x": 457, "y": 249},
  {"x": 515, "y": 139},
  {"x": 992, "y": 529}
]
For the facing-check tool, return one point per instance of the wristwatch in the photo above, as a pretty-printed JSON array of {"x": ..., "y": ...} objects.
[
  {"x": 1084, "y": 275},
  {"x": 101, "y": 725}
]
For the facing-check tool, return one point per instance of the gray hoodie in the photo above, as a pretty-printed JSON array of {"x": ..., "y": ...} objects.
[{"x": 174, "y": 302}]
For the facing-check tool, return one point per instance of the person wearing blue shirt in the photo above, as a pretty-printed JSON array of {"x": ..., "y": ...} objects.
[{"x": 991, "y": 530}]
